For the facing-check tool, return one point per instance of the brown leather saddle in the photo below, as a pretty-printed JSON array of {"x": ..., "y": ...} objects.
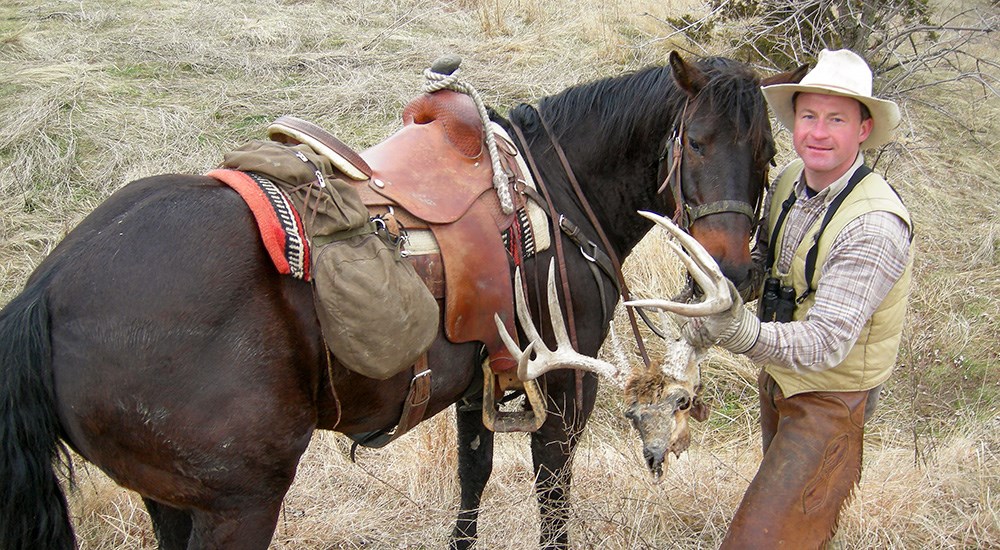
[
  {"x": 438, "y": 172},
  {"x": 435, "y": 173}
]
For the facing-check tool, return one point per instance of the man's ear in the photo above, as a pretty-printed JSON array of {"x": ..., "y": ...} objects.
[{"x": 866, "y": 129}]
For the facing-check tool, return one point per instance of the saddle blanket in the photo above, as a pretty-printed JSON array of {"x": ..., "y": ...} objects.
[{"x": 280, "y": 226}]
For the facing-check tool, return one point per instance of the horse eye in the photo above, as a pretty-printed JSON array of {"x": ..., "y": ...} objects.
[{"x": 694, "y": 145}]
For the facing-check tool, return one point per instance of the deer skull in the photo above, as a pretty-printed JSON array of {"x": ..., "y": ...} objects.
[{"x": 660, "y": 399}]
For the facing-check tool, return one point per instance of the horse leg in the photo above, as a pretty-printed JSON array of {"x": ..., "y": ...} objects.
[
  {"x": 475, "y": 464},
  {"x": 248, "y": 527},
  {"x": 180, "y": 529},
  {"x": 171, "y": 525},
  {"x": 552, "y": 449}
]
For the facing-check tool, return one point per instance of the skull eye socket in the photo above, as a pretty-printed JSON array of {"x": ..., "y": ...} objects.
[{"x": 684, "y": 403}]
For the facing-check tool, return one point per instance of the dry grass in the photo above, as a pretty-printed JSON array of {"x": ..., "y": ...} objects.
[{"x": 96, "y": 93}]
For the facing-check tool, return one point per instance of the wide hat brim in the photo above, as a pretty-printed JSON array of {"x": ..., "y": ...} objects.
[{"x": 885, "y": 114}]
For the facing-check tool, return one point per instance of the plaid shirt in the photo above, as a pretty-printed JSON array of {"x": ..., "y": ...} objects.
[{"x": 865, "y": 261}]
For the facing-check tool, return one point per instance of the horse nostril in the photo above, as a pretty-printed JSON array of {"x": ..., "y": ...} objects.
[{"x": 738, "y": 274}]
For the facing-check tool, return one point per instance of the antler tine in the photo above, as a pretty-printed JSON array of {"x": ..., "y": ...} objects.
[
  {"x": 699, "y": 262},
  {"x": 529, "y": 326},
  {"x": 703, "y": 268},
  {"x": 545, "y": 359},
  {"x": 523, "y": 313},
  {"x": 555, "y": 310}
]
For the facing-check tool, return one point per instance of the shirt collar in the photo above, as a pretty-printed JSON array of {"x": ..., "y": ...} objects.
[{"x": 834, "y": 188}]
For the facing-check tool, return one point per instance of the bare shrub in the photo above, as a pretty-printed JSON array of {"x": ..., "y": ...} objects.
[{"x": 910, "y": 45}]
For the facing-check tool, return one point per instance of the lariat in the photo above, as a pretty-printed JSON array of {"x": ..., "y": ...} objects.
[{"x": 443, "y": 74}]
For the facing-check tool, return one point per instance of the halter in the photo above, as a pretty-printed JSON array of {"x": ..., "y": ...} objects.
[{"x": 684, "y": 214}]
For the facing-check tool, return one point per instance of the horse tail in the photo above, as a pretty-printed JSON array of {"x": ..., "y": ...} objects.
[{"x": 33, "y": 508}]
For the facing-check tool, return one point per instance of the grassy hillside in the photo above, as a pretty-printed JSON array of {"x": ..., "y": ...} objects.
[{"x": 94, "y": 94}]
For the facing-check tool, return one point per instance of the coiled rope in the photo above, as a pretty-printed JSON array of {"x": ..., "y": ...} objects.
[{"x": 443, "y": 74}]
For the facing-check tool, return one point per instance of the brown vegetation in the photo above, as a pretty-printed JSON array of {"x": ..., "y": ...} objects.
[{"x": 94, "y": 94}]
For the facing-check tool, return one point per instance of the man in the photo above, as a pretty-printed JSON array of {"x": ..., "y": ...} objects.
[{"x": 832, "y": 308}]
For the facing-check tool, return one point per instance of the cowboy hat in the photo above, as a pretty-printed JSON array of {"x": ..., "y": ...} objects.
[{"x": 843, "y": 73}]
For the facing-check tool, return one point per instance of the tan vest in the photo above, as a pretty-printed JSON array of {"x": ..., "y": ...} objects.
[{"x": 871, "y": 360}]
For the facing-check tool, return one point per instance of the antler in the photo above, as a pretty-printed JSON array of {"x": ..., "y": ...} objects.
[
  {"x": 703, "y": 268},
  {"x": 564, "y": 356}
]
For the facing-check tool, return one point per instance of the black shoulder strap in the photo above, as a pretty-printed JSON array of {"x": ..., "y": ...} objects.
[
  {"x": 785, "y": 207},
  {"x": 856, "y": 178}
]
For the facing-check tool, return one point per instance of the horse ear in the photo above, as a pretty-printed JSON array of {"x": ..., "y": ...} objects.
[
  {"x": 687, "y": 76},
  {"x": 787, "y": 77}
]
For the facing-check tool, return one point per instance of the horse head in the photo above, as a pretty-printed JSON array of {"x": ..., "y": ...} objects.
[
  {"x": 714, "y": 163},
  {"x": 720, "y": 168}
]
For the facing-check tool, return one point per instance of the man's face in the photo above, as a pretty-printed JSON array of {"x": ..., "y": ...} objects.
[{"x": 827, "y": 136}]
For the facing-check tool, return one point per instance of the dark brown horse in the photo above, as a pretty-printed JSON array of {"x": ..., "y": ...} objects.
[{"x": 159, "y": 343}]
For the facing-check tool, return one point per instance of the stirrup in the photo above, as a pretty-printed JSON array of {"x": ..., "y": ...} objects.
[{"x": 496, "y": 420}]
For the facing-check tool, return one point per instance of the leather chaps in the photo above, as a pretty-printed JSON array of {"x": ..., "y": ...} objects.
[{"x": 812, "y": 462}]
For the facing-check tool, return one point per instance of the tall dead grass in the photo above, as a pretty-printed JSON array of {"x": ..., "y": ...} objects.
[{"x": 94, "y": 94}]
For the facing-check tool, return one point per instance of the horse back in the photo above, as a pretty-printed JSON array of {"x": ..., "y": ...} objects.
[{"x": 167, "y": 322}]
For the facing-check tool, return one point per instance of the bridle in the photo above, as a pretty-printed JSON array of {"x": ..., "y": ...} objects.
[{"x": 684, "y": 213}]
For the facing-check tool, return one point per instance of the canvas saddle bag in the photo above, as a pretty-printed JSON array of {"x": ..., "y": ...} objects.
[{"x": 377, "y": 315}]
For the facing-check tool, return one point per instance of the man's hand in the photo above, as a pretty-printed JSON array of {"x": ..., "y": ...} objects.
[{"x": 735, "y": 329}]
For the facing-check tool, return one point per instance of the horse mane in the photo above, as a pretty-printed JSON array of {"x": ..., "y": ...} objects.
[{"x": 636, "y": 107}]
